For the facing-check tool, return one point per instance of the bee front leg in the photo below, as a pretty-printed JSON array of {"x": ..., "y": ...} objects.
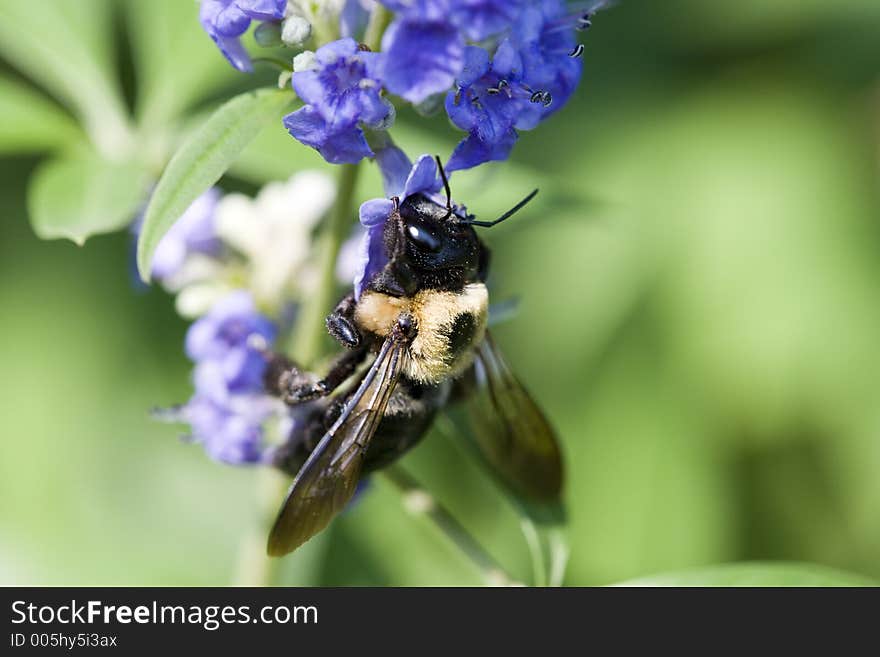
[
  {"x": 282, "y": 375},
  {"x": 341, "y": 325},
  {"x": 297, "y": 386}
]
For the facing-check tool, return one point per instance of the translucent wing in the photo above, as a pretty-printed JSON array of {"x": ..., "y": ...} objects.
[
  {"x": 328, "y": 479},
  {"x": 511, "y": 431}
]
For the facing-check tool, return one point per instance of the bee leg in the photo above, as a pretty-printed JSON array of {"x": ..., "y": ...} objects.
[
  {"x": 283, "y": 376},
  {"x": 298, "y": 389},
  {"x": 340, "y": 324}
]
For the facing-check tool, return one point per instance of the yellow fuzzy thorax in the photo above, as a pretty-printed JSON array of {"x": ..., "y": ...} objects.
[{"x": 435, "y": 313}]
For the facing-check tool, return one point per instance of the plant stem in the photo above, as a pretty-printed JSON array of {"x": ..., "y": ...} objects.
[
  {"x": 558, "y": 549},
  {"x": 536, "y": 552},
  {"x": 255, "y": 567},
  {"x": 379, "y": 20},
  {"x": 419, "y": 501},
  {"x": 559, "y": 553},
  {"x": 283, "y": 66},
  {"x": 310, "y": 330}
]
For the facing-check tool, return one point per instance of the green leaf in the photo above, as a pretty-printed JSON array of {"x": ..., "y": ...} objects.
[
  {"x": 756, "y": 574},
  {"x": 203, "y": 159},
  {"x": 177, "y": 63},
  {"x": 81, "y": 194},
  {"x": 64, "y": 46},
  {"x": 31, "y": 122}
]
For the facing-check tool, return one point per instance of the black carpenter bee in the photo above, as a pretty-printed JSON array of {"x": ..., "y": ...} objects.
[{"x": 423, "y": 318}]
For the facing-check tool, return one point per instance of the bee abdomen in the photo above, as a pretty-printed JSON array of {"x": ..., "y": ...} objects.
[
  {"x": 461, "y": 335},
  {"x": 449, "y": 326}
]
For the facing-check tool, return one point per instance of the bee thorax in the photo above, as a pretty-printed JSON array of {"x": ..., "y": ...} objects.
[{"x": 447, "y": 327}]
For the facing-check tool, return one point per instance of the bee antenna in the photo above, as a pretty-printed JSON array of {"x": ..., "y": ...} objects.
[
  {"x": 445, "y": 186},
  {"x": 516, "y": 208}
]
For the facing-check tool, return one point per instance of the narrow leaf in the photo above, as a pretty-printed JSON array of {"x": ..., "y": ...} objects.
[
  {"x": 203, "y": 159},
  {"x": 756, "y": 574},
  {"x": 81, "y": 194}
]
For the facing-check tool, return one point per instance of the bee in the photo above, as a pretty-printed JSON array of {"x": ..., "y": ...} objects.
[{"x": 423, "y": 321}]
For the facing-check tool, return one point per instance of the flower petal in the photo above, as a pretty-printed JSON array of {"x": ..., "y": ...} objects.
[
  {"x": 421, "y": 58},
  {"x": 372, "y": 256},
  {"x": 337, "y": 146},
  {"x": 222, "y": 18},
  {"x": 506, "y": 61},
  {"x": 476, "y": 65},
  {"x": 484, "y": 18},
  {"x": 331, "y": 52},
  {"x": 373, "y": 109},
  {"x": 235, "y": 53},
  {"x": 264, "y": 10},
  {"x": 209, "y": 381},
  {"x": 462, "y": 112},
  {"x": 375, "y": 212},
  {"x": 308, "y": 86},
  {"x": 472, "y": 151},
  {"x": 353, "y": 18},
  {"x": 347, "y": 146},
  {"x": 395, "y": 167},
  {"x": 169, "y": 256},
  {"x": 423, "y": 177}
]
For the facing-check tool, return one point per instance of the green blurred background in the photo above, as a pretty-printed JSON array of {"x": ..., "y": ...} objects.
[{"x": 699, "y": 317}]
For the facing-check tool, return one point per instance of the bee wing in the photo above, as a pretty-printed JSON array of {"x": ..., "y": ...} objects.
[
  {"x": 328, "y": 479},
  {"x": 511, "y": 431}
]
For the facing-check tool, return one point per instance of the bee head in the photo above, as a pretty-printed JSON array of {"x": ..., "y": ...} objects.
[
  {"x": 431, "y": 245},
  {"x": 433, "y": 238}
]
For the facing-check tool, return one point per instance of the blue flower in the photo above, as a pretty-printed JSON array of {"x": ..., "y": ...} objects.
[
  {"x": 232, "y": 432},
  {"x": 531, "y": 75},
  {"x": 229, "y": 405},
  {"x": 194, "y": 232},
  {"x": 402, "y": 179},
  {"x": 490, "y": 102},
  {"x": 354, "y": 17},
  {"x": 423, "y": 48},
  {"x": 546, "y": 39},
  {"x": 218, "y": 343},
  {"x": 226, "y": 20},
  {"x": 341, "y": 92}
]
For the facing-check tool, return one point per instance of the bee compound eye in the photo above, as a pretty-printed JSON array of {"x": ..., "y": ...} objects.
[{"x": 422, "y": 238}]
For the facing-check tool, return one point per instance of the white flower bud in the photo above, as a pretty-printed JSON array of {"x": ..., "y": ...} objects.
[
  {"x": 196, "y": 299},
  {"x": 305, "y": 61},
  {"x": 295, "y": 30},
  {"x": 273, "y": 233}
]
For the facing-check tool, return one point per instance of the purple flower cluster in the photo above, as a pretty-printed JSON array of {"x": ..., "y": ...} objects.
[
  {"x": 424, "y": 45},
  {"x": 531, "y": 74},
  {"x": 526, "y": 66},
  {"x": 194, "y": 232},
  {"x": 229, "y": 406},
  {"x": 503, "y": 66},
  {"x": 227, "y": 20},
  {"x": 497, "y": 67},
  {"x": 341, "y": 92}
]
